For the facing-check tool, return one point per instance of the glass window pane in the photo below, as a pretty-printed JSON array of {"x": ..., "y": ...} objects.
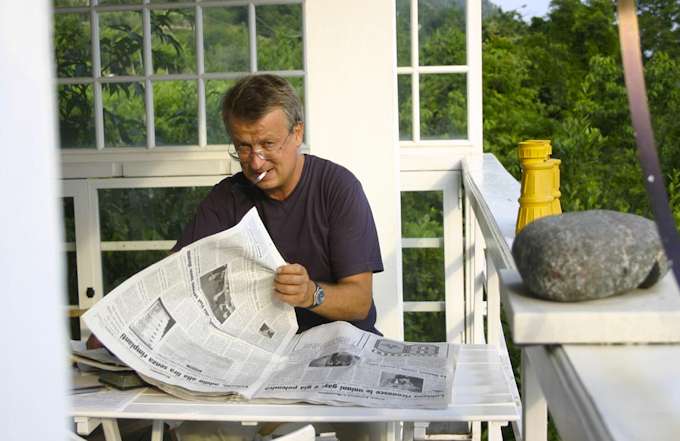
[
  {"x": 124, "y": 115},
  {"x": 214, "y": 91},
  {"x": 147, "y": 213},
  {"x": 424, "y": 280},
  {"x": 422, "y": 214},
  {"x": 176, "y": 112},
  {"x": 443, "y": 106},
  {"x": 425, "y": 326},
  {"x": 68, "y": 210},
  {"x": 119, "y": 2},
  {"x": 76, "y": 116},
  {"x": 66, "y": 3},
  {"x": 121, "y": 43},
  {"x": 118, "y": 266},
  {"x": 441, "y": 34},
  {"x": 225, "y": 39},
  {"x": 405, "y": 107},
  {"x": 173, "y": 41},
  {"x": 72, "y": 292},
  {"x": 72, "y": 45},
  {"x": 403, "y": 32},
  {"x": 298, "y": 84},
  {"x": 279, "y": 37}
]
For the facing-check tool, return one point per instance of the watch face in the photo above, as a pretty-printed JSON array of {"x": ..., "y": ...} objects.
[{"x": 319, "y": 296}]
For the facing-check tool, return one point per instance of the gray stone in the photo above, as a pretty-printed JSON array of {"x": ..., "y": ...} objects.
[{"x": 589, "y": 255}]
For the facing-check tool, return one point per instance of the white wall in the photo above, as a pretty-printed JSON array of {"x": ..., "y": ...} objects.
[
  {"x": 351, "y": 95},
  {"x": 32, "y": 325}
]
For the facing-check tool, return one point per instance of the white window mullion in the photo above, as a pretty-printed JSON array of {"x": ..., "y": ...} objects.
[
  {"x": 148, "y": 71},
  {"x": 415, "y": 75},
  {"x": 252, "y": 34},
  {"x": 138, "y": 245},
  {"x": 200, "y": 69},
  {"x": 93, "y": 243},
  {"x": 424, "y": 306},
  {"x": 473, "y": 33},
  {"x": 422, "y": 242},
  {"x": 96, "y": 75}
]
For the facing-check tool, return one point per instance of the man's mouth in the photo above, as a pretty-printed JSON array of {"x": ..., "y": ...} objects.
[{"x": 260, "y": 176}]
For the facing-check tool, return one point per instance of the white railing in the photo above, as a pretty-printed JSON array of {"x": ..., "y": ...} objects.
[
  {"x": 487, "y": 184},
  {"x": 595, "y": 391}
]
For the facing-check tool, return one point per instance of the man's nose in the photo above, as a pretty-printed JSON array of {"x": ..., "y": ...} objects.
[{"x": 254, "y": 161}]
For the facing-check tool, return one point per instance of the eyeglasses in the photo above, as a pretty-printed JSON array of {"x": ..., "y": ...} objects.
[{"x": 266, "y": 151}]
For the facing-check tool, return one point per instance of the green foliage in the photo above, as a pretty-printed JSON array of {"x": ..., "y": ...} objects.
[
  {"x": 225, "y": 39},
  {"x": 561, "y": 78},
  {"x": 118, "y": 267},
  {"x": 424, "y": 326},
  {"x": 147, "y": 213},
  {"x": 279, "y": 37},
  {"x": 174, "y": 51}
]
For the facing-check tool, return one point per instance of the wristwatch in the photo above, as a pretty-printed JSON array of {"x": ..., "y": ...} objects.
[{"x": 319, "y": 296}]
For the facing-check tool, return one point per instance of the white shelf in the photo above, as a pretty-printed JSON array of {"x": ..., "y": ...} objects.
[{"x": 638, "y": 316}]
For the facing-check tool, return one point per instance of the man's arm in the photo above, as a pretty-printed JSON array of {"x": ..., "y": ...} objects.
[{"x": 348, "y": 299}]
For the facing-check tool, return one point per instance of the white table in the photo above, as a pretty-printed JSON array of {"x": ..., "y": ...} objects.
[{"x": 482, "y": 392}]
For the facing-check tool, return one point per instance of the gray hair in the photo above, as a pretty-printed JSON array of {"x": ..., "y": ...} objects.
[{"x": 253, "y": 96}]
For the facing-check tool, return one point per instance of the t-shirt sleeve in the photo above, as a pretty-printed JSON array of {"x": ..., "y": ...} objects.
[{"x": 353, "y": 239}]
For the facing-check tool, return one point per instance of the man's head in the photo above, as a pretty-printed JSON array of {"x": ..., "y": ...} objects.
[
  {"x": 254, "y": 96},
  {"x": 264, "y": 119}
]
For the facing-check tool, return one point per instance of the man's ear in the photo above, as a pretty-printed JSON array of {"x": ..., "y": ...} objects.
[{"x": 299, "y": 132}]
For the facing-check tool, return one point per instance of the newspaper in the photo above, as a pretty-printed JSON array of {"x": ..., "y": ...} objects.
[
  {"x": 340, "y": 364},
  {"x": 203, "y": 321}
]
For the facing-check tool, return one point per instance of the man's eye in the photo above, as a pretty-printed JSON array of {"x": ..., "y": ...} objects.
[{"x": 267, "y": 145}]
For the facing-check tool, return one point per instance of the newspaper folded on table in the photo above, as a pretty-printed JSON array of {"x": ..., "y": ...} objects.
[{"x": 203, "y": 323}]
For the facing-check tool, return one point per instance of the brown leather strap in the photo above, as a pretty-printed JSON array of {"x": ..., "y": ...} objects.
[{"x": 644, "y": 136}]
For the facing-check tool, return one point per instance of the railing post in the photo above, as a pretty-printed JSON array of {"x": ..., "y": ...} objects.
[
  {"x": 493, "y": 303},
  {"x": 469, "y": 267},
  {"x": 534, "y": 406}
]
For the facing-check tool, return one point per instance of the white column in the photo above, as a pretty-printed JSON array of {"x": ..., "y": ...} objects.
[
  {"x": 352, "y": 119},
  {"x": 33, "y": 318}
]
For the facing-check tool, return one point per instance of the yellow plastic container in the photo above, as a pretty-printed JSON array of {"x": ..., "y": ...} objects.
[
  {"x": 540, "y": 194},
  {"x": 537, "y": 197}
]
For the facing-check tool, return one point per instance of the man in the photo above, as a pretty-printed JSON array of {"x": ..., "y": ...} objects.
[{"x": 315, "y": 211}]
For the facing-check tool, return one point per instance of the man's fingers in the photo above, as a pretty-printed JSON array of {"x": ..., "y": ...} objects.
[
  {"x": 289, "y": 289},
  {"x": 292, "y": 268},
  {"x": 290, "y": 279}
]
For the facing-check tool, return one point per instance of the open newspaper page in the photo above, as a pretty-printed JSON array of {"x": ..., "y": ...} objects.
[
  {"x": 337, "y": 363},
  {"x": 204, "y": 318}
]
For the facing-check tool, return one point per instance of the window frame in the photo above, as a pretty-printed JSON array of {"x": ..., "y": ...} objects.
[
  {"x": 445, "y": 154},
  {"x": 88, "y": 244},
  {"x": 449, "y": 183}
]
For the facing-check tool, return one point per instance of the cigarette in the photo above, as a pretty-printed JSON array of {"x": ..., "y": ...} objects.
[{"x": 260, "y": 176}]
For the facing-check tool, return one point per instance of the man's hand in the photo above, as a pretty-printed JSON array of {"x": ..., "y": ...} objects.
[
  {"x": 293, "y": 286},
  {"x": 347, "y": 299}
]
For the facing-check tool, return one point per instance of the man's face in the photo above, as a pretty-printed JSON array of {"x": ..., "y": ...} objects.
[{"x": 283, "y": 165}]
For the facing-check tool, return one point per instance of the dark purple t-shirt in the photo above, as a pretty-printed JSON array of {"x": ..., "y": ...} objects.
[{"x": 326, "y": 225}]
